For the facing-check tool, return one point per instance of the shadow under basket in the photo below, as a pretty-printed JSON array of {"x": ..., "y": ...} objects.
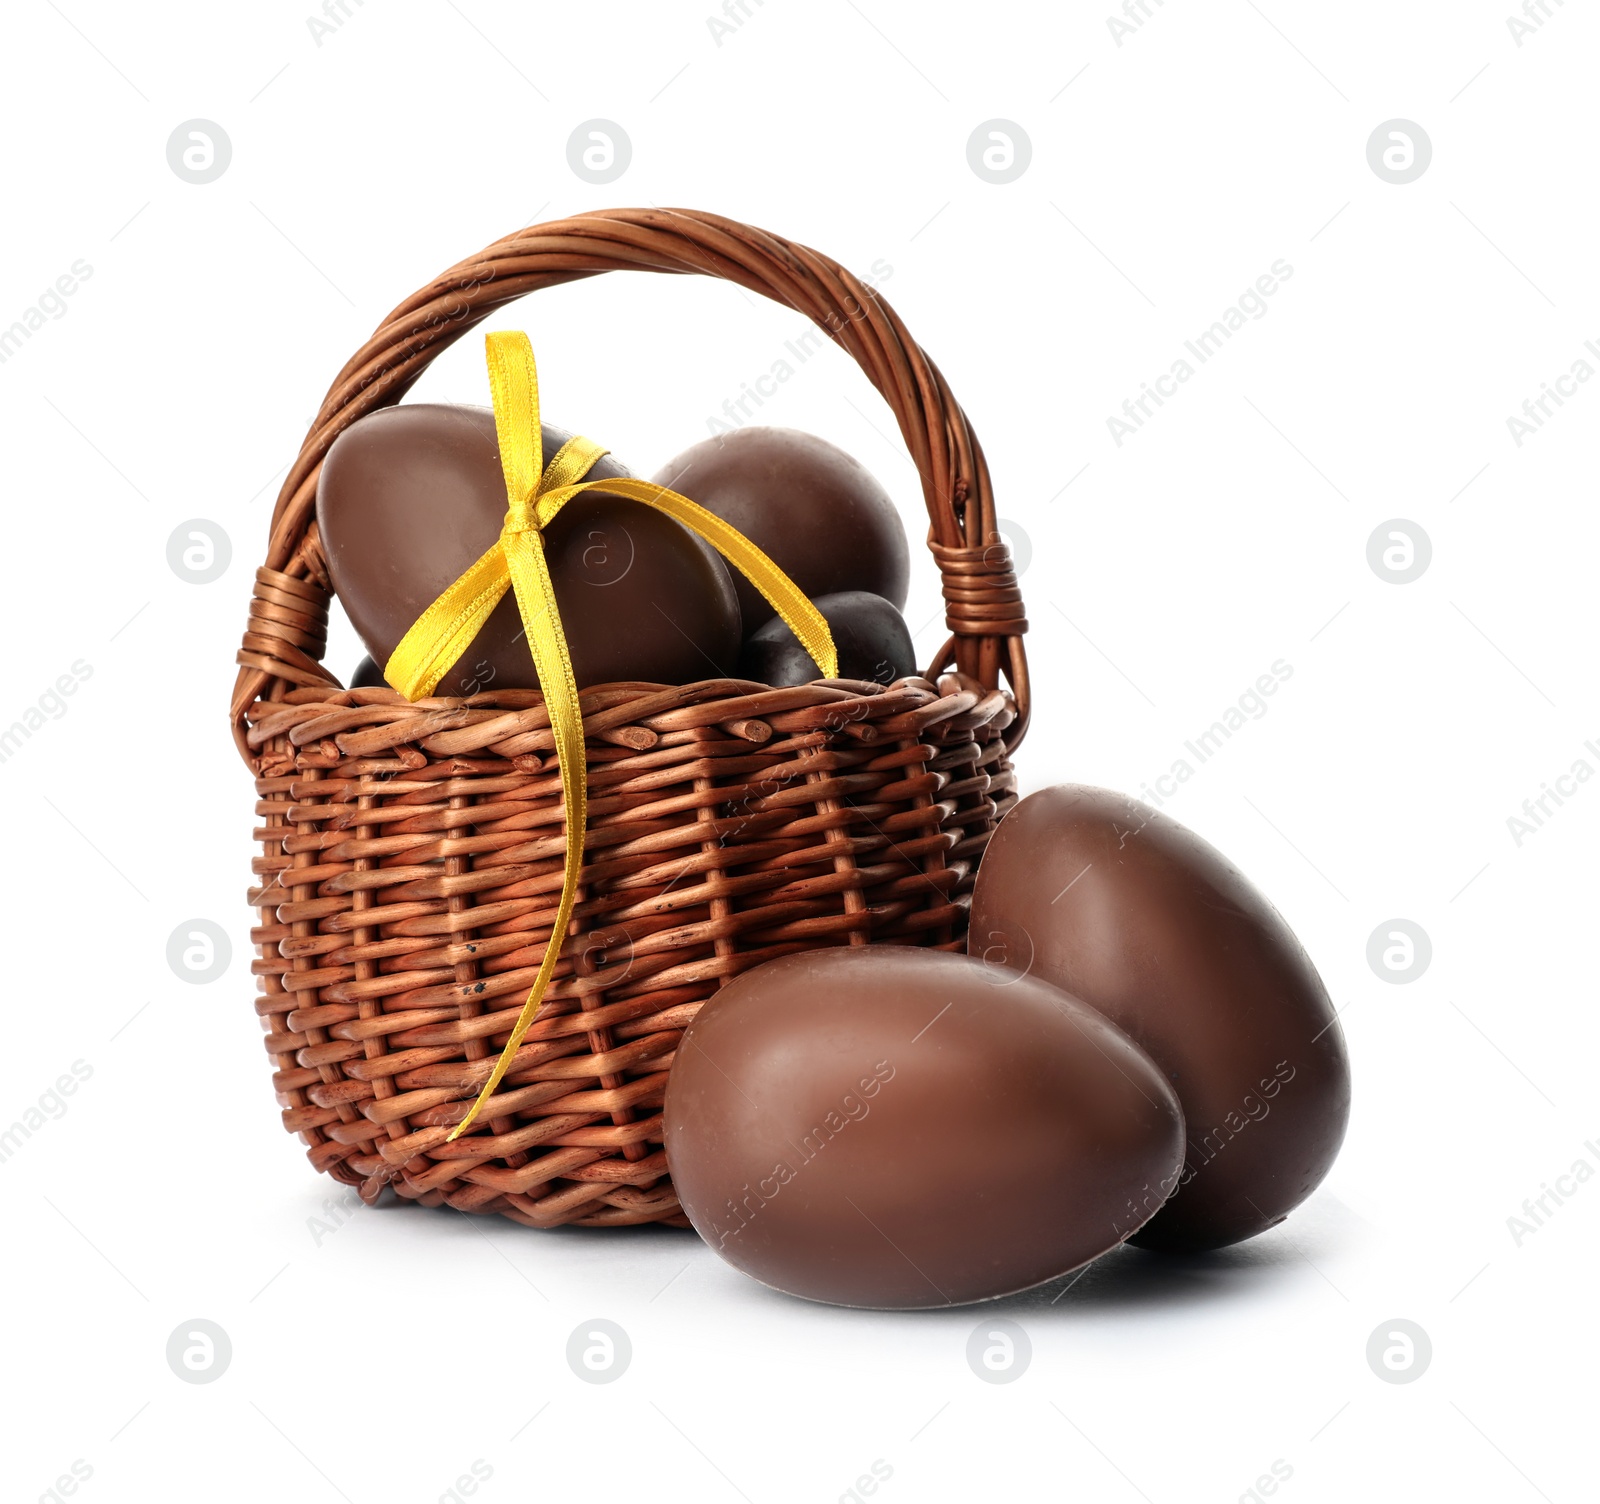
[{"x": 411, "y": 854}]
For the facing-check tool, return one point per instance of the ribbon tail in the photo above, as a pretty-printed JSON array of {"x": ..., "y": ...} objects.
[
  {"x": 443, "y": 632},
  {"x": 535, "y": 593},
  {"x": 535, "y": 493}
]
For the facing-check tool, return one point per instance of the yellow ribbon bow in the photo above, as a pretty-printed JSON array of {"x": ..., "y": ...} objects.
[{"x": 535, "y": 494}]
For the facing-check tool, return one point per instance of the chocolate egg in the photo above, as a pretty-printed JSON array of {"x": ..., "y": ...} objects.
[
  {"x": 869, "y": 635},
  {"x": 410, "y": 496},
  {"x": 1136, "y": 915},
  {"x": 893, "y": 1127},
  {"x": 817, "y": 512},
  {"x": 368, "y": 675}
]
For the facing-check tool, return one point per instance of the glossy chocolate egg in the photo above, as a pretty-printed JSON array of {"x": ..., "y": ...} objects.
[
  {"x": 899, "y": 1128},
  {"x": 368, "y": 675},
  {"x": 869, "y": 635},
  {"x": 1139, "y": 917},
  {"x": 410, "y": 496},
  {"x": 819, "y": 513}
]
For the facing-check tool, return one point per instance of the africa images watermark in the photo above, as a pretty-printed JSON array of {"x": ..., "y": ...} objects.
[
  {"x": 52, "y": 704},
  {"x": 1251, "y": 1110},
  {"x": 334, "y": 14},
  {"x": 1538, "y": 1210},
  {"x": 734, "y": 14},
  {"x": 68, "y": 1483},
  {"x": 468, "y": 1483},
  {"x": 1250, "y": 306},
  {"x": 736, "y": 410},
  {"x": 1552, "y": 396},
  {"x": 868, "y": 1483},
  {"x": 50, "y": 304},
  {"x": 851, "y": 1109},
  {"x": 1134, "y": 14},
  {"x": 335, "y": 1213},
  {"x": 1534, "y": 14},
  {"x": 1250, "y": 706},
  {"x": 1540, "y": 808},
  {"x": 1268, "y": 1484},
  {"x": 50, "y": 1105}
]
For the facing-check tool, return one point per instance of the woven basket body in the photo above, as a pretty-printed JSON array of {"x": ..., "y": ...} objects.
[{"x": 411, "y": 854}]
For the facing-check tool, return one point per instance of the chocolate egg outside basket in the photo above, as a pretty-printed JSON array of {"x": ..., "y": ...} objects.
[
  {"x": 891, "y": 1127},
  {"x": 1146, "y": 922}
]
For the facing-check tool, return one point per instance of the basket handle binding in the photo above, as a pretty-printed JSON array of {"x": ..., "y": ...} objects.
[{"x": 287, "y": 630}]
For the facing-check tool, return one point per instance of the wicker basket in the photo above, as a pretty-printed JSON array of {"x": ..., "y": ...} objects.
[{"x": 411, "y": 853}]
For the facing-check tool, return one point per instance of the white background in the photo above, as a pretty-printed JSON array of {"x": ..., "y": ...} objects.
[{"x": 376, "y": 1355}]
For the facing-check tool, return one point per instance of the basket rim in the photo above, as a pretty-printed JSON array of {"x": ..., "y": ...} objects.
[{"x": 286, "y": 634}]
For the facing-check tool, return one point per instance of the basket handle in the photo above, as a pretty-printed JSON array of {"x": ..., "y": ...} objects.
[{"x": 287, "y": 630}]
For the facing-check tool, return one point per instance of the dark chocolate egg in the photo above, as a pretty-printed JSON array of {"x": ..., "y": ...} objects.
[
  {"x": 892, "y": 1127},
  {"x": 818, "y": 513},
  {"x": 368, "y": 675},
  {"x": 1139, "y": 917},
  {"x": 410, "y": 496},
  {"x": 869, "y": 635}
]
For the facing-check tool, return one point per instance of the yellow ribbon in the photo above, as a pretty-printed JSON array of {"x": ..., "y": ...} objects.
[{"x": 535, "y": 493}]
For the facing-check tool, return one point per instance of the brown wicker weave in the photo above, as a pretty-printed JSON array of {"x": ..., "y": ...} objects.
[{"x": 411, "y": 853}]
